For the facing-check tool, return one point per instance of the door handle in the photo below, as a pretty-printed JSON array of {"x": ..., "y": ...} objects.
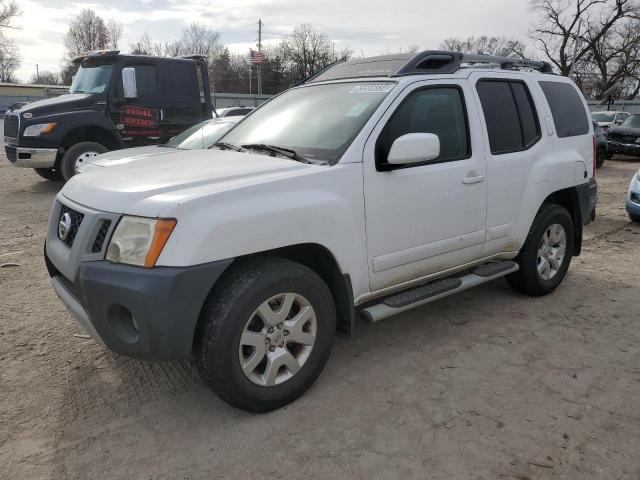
[{"x": 476, "y": 179}]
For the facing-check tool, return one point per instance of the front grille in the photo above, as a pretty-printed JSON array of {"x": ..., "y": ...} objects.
[
  {"x": 76, "y": 220},
  {"x": 101, "y": 236},
  {"x": 11, "y": 126}
]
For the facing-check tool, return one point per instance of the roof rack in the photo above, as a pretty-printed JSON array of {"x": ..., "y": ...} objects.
[
  {"x": 427, "y": 62},
  {"x": 94, "y": 54}
]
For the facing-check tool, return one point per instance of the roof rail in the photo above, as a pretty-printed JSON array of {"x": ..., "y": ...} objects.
[
  {"x": 95, "y": 53},
  {"x": 427, "y": 62}
]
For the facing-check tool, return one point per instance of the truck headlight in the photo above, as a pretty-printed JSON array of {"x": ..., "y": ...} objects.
[
  {"x": 37, "y": 130},
  {"x": 139, "y": 241}
]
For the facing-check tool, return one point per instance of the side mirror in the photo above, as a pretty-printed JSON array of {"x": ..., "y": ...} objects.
[
  {"x": 414, "y": 148},
  {"x": 619, "y": 121},
  {"x": 129, "y": 87}
]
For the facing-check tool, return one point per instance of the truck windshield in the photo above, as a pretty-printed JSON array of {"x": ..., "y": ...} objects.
[
  {"x": 91, "y": 78},
  {"x": 318, "y": 122}
]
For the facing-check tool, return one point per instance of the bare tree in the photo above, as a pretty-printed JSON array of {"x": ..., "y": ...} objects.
[
  {"x": 613, "y": 62},
  {"x": 8, "y": 11},
  {"x": 114, "y": 32},
  {"x": 308, "y": 50},
  {"x": 9, "y": 53},
  {"x": 197, "y": 39},
  {"x": 146, "y": 46},
  {"x": 46, "y": 78},
  {"x": 87, "y": 32},
  {"x": 500, "y": 46},
  {"x": 9, "y": 60},
  {"x": 563, "y": 23}
]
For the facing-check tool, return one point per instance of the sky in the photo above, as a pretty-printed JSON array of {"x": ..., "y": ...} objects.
[{"x": 367, "y": 27}]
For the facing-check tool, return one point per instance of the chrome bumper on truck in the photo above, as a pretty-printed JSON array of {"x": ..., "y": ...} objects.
[
  {"x": 31, "y": 157},
  {"x": 146, "y": 313}
]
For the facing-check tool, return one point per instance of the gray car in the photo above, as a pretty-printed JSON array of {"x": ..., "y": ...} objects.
[{"x": 200, "y": 136}]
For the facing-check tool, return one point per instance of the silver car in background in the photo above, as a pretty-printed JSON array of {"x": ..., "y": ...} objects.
[{"x": 198, "y": 137}]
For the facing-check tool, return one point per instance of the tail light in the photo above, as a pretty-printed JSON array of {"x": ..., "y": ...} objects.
[{"x": 593, "y": 164}]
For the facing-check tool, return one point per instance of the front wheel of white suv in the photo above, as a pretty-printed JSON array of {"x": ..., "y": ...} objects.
[
  {"x": 546, "y": 254},
  {"x": 265, "y": 333}
]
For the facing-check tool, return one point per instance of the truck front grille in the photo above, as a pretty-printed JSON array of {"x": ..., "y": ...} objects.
[
  {"x": 11, "y": 126},
  {"x": 76, "y": 220}
]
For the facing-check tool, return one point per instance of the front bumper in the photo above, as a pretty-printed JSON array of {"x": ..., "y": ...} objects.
[
  {"x": 31, "y": 157},
  {"x": 623, "y": 147},
  {"x": 146, "y": 313}
]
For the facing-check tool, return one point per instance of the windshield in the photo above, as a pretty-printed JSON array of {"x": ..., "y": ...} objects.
[
  {"x": 318, "y": 122},
  {"x": 602, "y": 117},
  {"x": 91, "y": 79},
  {"x": 632, "y": 121},
  {"x": 202, "y": 135}
]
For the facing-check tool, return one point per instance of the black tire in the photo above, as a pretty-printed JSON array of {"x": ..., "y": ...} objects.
[
  {"x": 634, "y": 218},
  {"x": 228, "y": 309},
  {"x": 52, "y": 174},
  {"x": 600, "y": 156},
  {"x": 68, "y": 162},
  {"x": 527, "y": 280}
]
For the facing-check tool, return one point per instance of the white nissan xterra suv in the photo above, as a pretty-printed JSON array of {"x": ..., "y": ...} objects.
[{"x": 376, "y": 186}]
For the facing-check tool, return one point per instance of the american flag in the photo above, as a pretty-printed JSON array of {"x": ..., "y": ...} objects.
[{"x": 256, "y": 57}]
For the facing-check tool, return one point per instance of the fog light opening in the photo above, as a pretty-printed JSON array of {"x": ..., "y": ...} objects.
[{"x": 123, "y": 323}]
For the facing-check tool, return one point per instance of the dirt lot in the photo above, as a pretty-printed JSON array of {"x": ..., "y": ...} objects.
[{"x": 486, "y": 385}]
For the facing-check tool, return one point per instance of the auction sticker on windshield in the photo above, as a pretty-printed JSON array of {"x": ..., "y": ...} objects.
[{"x": 373, "y": 88}]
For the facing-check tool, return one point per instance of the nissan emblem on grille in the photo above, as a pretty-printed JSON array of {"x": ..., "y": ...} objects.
[{"x": 64, "y": 226}]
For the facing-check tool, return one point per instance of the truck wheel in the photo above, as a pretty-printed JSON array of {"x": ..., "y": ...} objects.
[
  {"x": 52, "y": 174},
  {"x": 633, "y": 217},
  {"x": 77, "y": 154},
  {"x": 600, "y": 155},
  {"x": 545, "y": 257},
  {"x": 265, "y": 334}
]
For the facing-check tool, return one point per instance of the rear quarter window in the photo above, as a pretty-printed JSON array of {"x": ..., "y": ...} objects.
[{"x": 567, "y": 109}]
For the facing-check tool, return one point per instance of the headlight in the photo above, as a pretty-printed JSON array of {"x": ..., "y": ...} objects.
[
  {"x": 37, "y": 130},
  {"x": 139, "y": 241}
]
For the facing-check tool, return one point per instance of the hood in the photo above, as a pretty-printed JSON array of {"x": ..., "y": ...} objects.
[
  {"x": 127, "y": 155},
  {"x": 625, "y": 131},
  {"x": 149, "y": 185},
  {"x": 63, "y": 103}
]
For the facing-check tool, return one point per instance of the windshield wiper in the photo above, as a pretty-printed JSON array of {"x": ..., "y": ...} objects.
[
  {"x": 287, "y": 152},
  {"x": 228, "y": 146}
]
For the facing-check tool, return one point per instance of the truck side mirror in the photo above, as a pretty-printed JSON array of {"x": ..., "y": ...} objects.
[
  {"x": 129, "y": 87},
  {"x": 414, "y": 148}
]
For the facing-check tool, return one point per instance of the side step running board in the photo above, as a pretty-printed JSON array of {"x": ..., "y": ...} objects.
[{"x": 429, "y": 292}]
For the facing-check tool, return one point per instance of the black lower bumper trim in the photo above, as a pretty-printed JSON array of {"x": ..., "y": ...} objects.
[{"x": 143, "y": 313}]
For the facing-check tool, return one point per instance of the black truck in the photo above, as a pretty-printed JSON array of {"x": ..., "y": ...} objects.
[{"x": 115, "y": 101}]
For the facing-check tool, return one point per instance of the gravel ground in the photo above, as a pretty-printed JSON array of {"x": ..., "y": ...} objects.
[{"x": 485, "y": 385}]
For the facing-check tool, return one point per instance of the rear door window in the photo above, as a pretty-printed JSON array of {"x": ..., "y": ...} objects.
[
  {"x": 567, "y": 109},
  {"x": 510, "y": 115}
]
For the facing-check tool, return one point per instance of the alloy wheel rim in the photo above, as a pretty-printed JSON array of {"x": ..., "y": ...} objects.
[
  {"x": 83, "y": 157},
  {"x": 551, "y": 251},
  {"x": 277, "y": 340}
]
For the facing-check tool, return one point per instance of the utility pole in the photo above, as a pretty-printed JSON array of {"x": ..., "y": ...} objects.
[
  {"x": 37, "y": 75},
  {"x": 260, "y": 50}
]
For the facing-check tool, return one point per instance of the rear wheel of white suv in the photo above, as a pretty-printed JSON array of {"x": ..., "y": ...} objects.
[
  {"x": 546, "y": 254},
  {"x": 265, "y": 333}
]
